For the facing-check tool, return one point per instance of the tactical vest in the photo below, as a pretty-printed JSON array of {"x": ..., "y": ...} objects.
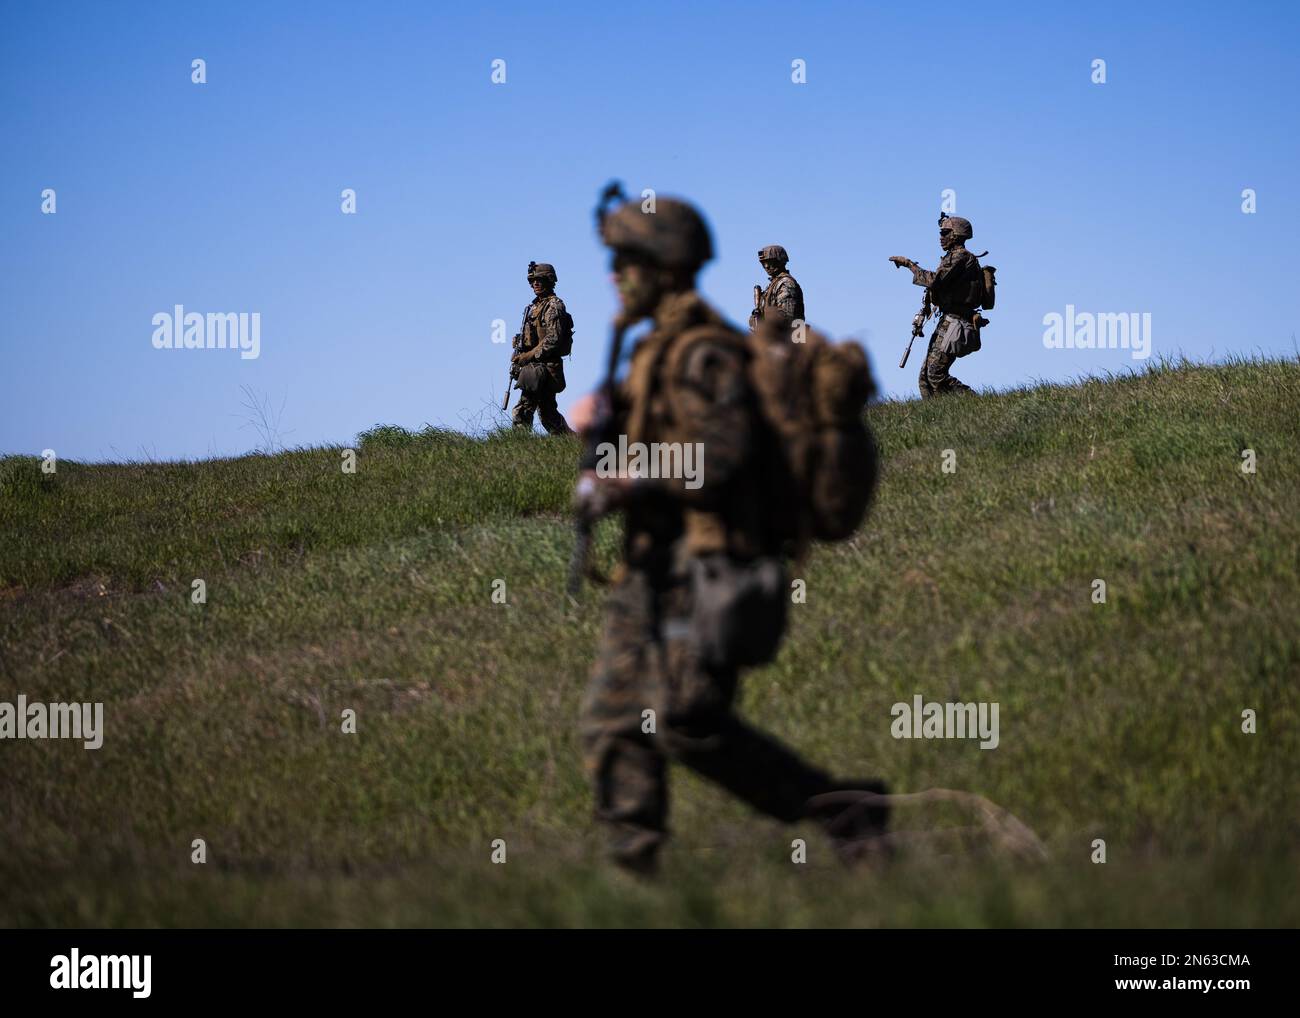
[
  {"x": 532, "y": 335},
  {"x": 771, "y": 288}
]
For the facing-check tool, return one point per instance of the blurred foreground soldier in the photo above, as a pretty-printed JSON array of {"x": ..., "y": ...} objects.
[
  {"x": 959, "y": 287},
  {"x": 782, "y": 301},
  {"x": 702, "y": 590},
  {"x": 536, "y": 366}
]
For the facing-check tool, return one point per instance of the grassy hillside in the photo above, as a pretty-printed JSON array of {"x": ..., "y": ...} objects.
[{"x": 372, "y": 591}]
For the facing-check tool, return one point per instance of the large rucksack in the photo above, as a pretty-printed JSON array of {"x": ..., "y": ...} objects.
[
  {"x": 819, "y": 469},
  {"x": 813, "y": 395}
]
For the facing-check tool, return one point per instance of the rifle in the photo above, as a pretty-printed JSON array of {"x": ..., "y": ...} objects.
[
  {"x": 918, "y": 325},
  {"x": 514, "y": 372},
  {"x": 515, "y": 345},
  {"x": 601, "y": 431}
]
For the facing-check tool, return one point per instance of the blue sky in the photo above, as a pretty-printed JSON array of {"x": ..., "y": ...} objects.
[{"x": 225, "y": 196}]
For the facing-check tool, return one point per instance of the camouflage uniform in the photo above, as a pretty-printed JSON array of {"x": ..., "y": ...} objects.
[
  {"x": 783, "y": 294},
  {"x": 955, "y": 287},
  {"x": 694, "y": 392},
  {"x": 543, "y": 328}
]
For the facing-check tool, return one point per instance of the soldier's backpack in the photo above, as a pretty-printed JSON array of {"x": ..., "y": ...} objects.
[
  {"x": 565, "y": 346},
  {"x": 990, "y": 285},
  {"x": 820, "y": 470},
  {"x": 813, "y": 395}
]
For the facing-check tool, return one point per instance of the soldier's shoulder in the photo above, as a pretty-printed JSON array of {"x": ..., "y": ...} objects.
[
  {"x": 718, "y": 370},
  {"x": 712, "y": 357}
]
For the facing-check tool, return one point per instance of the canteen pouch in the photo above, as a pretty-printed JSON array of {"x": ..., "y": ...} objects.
[
  {"x": 957, "y": 337},
  {"x": 531, "y": 377}
]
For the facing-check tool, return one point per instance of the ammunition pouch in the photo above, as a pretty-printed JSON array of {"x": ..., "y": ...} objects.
[
  {"x": 990, "y": 287},
  {"x": 737, "y": 610}
]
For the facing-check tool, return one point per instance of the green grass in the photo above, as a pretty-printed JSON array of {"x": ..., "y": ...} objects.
[{"x": 372, "y": 591}]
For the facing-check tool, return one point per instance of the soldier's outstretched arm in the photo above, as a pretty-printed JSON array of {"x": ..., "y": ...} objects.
[
  {"x": 924, "y": 277},
  {"x": 920, "y": 276}
]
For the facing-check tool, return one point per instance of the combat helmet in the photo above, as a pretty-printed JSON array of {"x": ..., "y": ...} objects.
[
  {"x": 542, "y": 270},
  {"x": 773, "y": 253},
  {"x": 675, "y": 235},
  {"x": 961, "y": 228}
]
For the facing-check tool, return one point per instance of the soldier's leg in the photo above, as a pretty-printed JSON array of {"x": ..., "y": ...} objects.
[
  {"x": 774, "y": 780},
  {"x": 552, "y": 420},
  {"x": 700, "y": 729},
  {"x": 752, "y": 766},
  {"x": 923, "y": 382},
  {"x": 524, "y": 410},
  {"x": 623, "y": 762},
  {"x": 937, "y": 365}
]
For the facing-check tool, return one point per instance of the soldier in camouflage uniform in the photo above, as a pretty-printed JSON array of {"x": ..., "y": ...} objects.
[
  {"x": 695, "y": 390},
  {"x": 956, "y": 288},
  {"x": 782, "y": 301},
  {"x": 545, "y": 337}
]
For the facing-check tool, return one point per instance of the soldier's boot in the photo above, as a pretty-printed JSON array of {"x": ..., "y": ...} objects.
[
  {"x": 553, "y": 421},
  {"x": 638, "y": 854},
  {"x": 857, "y": 827},
  {"x": 935, "y": 373},
  {"x": 629, "y": 775}
]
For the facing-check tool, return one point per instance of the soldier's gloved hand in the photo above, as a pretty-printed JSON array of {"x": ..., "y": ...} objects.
[
  {"x": 522, "y": 357},
  {"x": 901, "y": 263},
  {"x": 595, "y": 496}
]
